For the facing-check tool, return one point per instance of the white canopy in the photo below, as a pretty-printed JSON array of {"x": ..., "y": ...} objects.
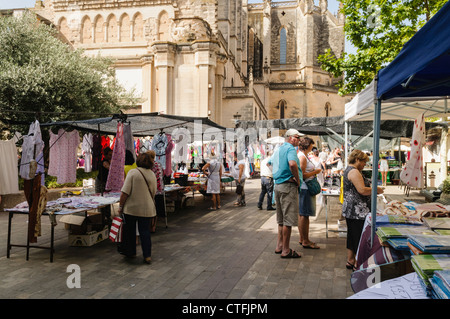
[{"x": 361, "y": 107}]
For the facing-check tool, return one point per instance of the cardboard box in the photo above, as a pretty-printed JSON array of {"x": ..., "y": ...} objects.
[
  {"x": 80, "y": 225},
  {"x": 88, "y": 239}
]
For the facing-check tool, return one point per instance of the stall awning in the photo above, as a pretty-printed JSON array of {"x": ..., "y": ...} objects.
[
  {"x": 144, "y": 124},
  {"x": 336, "y": 125}
]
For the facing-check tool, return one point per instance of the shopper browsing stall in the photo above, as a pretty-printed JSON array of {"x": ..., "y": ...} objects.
[
  {"x": 137, "y": 205},
  {"x": 356, "y": 206}
]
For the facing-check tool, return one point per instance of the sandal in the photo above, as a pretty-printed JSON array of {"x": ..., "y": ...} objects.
[
  {"x": 350, "y": 266},
  {"x": 292, "y": 254},
  {"x": 311, "y": 246}
]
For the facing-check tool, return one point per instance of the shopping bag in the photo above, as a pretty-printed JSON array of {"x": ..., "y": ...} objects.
[{"x": 115, "y": 232}]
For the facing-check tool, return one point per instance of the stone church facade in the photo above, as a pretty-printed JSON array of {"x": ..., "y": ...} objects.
[{"x": 222, "y": 59}]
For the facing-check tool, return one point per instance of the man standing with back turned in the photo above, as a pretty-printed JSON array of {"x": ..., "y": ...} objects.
[{"x": 287, "y": 177}]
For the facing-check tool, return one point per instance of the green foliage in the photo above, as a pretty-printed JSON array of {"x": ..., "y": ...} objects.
[
  {"x": 39, "y": 72},
  {"x": 51, "y": 181},
  {"x": 446, "y": 185},
  {"x": 378, "y": 29}
]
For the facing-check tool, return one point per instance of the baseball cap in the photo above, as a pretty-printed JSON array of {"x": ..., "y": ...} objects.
[{"x": 293, "y": 132}]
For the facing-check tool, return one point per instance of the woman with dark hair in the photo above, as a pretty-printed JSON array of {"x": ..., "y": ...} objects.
[
  {"x": 356, "y": 206},
  {"x": 307, "y": 202},
  {"x": 137, "y": 205},
  {"x": 130, "y": 163}
]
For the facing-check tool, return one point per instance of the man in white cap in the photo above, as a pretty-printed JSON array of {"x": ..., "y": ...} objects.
[{"x": 287, "y": 177}]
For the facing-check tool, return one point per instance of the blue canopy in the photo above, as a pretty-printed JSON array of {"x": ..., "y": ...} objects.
[{"x": 422, "y": 68}]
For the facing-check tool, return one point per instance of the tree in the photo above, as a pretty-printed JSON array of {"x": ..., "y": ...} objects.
[
  {"x": 39, "y": 73},
  {"x": 378, "y": 29}
]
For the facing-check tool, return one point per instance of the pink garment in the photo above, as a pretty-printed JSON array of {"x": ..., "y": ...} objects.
[
  {"x": 63, "y": 156},
  {"x": 116, "y": 170},
  {"x": 412, "y": 174},
  {"x": 169, "y": 148}
]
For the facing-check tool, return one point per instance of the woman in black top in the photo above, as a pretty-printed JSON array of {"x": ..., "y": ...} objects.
[{"x": 356, "y": 206}]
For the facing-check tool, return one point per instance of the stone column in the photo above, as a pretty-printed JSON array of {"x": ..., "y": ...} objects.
[
  {"x": 267, "y": 29},
  {"x": 164, "y": 63},
  {"x": 148, "y": 85}
]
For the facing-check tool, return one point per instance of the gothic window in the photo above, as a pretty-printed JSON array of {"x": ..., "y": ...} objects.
[
  {"x": 138, "y": 28},
  {"x": 282, "y": 107},
  {"x": 112, "y": 29},
  {"x": 86, "y": 30},
  {"x": 164, "y": 24},
  {"x": 99, "y": 34},
  {"x": 283, "y": 46},
  {"x": 327, "y": 109},
  {"x": 125, "y": 30},
  {"x": 64, "y": 27}
]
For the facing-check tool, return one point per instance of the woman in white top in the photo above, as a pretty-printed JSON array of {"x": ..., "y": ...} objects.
[
  {"x": 307, "y": 202},
  {"x": 214, "y": 180},
  {"x": 384, "y": 168}
]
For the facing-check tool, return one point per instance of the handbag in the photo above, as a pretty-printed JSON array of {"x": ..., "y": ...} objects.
[
  {"x": 314, "y": 187},
  {"x": 115, "y": 232}
]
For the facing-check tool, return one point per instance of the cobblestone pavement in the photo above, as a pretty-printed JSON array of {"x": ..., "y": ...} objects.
[{"x": 202, "y": 254}]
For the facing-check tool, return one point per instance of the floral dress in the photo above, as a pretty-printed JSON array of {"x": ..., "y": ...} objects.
[{"x": 355, "y": 206}]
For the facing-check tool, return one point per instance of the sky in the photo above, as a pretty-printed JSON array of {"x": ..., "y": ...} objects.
[{"x": 333, "y": 6}]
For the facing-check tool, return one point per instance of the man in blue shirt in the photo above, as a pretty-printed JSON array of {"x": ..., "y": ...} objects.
[{"x": 287, "y": 177}]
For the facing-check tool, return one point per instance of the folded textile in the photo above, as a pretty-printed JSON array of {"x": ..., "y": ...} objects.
[
  {"x": 425, "y": 265},
  {"x": 399, "y": 243},
  {"x": 402, "y": 231},
  {"x": 432, "y": 210},
  {"x": 440, "y": 283},
  {"x": 397, "y": 219},
  {"x": 436, "y": 290},
  {"x": 437, "y": 222},
  {"x": 431, "y": 243}
]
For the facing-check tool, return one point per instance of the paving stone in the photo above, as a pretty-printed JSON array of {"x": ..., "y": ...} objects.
[{"x": 222, "y": 254}]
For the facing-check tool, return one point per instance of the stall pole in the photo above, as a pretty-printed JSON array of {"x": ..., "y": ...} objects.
[
  {"x": 346, "y": 144},
  {"x": 376, "y": 147}
]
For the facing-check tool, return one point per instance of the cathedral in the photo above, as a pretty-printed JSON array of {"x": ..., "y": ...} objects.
[{"x": 222, "y": 59}]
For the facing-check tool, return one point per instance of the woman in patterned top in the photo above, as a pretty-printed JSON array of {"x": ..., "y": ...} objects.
[{"x": 356, "y": 206}]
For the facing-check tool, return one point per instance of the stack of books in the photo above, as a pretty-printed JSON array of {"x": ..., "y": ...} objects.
[
  {"x": 402, "y": 231},
  {"x": 432, "y": 244},
  {"x": 440, "y": 282},
  {"x": 425, "y": 266}
]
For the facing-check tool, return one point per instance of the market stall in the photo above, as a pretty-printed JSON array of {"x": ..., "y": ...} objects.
[
  {"x": 80, "y": 213},
  {"x": 420, "y": 72}
]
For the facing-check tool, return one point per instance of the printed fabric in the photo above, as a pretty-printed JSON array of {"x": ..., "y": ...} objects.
[
  {"x": 32, "y": 150},
  {"x": 355, "y": 206},
  {"x": 159, "y": 178},
  {"x": 412, "y": 174},
  {"x": 9, "y": 174},
  {"x": 129, "y": 140},
  {"x": 116, "y": 169},
  {"x": 63, "y": 156},
  {"x": 159, "y": 145},
  {"x": 86, "y": 147}
]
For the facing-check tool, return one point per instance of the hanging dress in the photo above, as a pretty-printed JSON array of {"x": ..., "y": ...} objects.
[
  {"x": 116, "y": 169},
  {"x": 9, "y": 173}
]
